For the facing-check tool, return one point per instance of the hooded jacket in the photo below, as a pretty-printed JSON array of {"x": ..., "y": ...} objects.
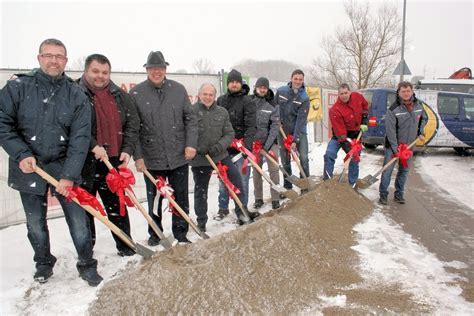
[
  {"x": 242, "y": 113},
  {"x": 268, "y": 119}
]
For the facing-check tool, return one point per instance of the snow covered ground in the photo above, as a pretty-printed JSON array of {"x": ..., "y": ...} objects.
[{"x": 388, "y": 254}]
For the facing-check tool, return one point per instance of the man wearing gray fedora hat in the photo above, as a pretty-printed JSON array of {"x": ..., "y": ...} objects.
[{"x": 168, "y": 139}]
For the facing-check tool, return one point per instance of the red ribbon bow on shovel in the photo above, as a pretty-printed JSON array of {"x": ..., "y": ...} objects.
[
  {"x": 287, "y": 143},
  {"x": 356, "y": 148},
  {"x": 84, "y": 198},
  {"x": 225, "y": 178},
  {"x": 239, "y": 145},
  {"x": 256, "y": 147},
  {"x": 404, "y": 154},
  {"x": 118, "y": 181},
  {"x": 166, "y": 191}
]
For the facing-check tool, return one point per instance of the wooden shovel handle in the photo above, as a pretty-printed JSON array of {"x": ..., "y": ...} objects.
[
  {"x": 117, "y": 231},
  {"x": 178, "y": 208},
  {"x": 294, "y": 155}
]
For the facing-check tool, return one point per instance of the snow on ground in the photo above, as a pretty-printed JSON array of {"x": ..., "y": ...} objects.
[
  {"x": 451, "y": 173},
  {"x": 386, "y": 251}
]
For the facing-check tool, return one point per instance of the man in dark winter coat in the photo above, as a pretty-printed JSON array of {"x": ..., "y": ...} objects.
[
  {"x": 404, "y": 122},
  {"x": 294, "y": 106},
  {"x": 115, "y": 125},
  {"x": 242, "y": 115},
  {"x": 168, "y": 139},
  {"x": 215, "y": 135},
  {"x": 268, "y": 124},
  {"x": 45, "y": 121},
  {"x": 348, "y": 116}
]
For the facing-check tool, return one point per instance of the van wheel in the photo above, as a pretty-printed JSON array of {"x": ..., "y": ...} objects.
[
  {"x": 369, "y": 146},
  {"x": 460, "y": 150}
]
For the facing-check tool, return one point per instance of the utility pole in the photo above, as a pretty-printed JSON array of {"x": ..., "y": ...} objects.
[{"x": 403, "y": 39}]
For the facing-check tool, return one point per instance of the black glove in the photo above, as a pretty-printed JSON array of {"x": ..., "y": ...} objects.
[
  {"x": 346, "y": 146},
  {"x": 215, "y": 150},
  {"x": 202, "y": 151}
]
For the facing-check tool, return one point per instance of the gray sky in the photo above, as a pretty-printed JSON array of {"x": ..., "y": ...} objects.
[{"x": 440, "y": 33}]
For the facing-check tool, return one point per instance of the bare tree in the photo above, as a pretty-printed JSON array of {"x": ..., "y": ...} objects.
[
  {"x": 365, "y": 52},
  {"x": 203, "y": 66}
]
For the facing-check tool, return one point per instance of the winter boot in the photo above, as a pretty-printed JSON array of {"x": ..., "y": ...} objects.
[
  {"x": 399, "y": 199},
  {"x": 275, "y": 205},
  {"x": 154, "y": 240},
  {"x": 223, "y": 212},
  {"x": 91, "y": 276},
  {"x": 202, "y": 227},
  {"x": 44, "y": 271},
  {"x": 125, "y": 252},
  {"x": 383, "y": 200},
  {"x": 258, "y": 203},
  {"x": 253, "y": 215}
]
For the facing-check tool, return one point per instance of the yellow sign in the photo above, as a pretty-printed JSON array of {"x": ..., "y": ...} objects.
[{"x": 315, "y": 105}]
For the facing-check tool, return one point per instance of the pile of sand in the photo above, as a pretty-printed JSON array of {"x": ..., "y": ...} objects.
[{"x": 285, "y": 262}]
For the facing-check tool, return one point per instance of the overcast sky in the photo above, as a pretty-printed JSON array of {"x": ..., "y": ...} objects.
[{"x": 440, "y": 33}]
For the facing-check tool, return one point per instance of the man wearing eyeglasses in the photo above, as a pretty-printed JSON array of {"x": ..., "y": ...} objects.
[{"x": 45, "y": 121}]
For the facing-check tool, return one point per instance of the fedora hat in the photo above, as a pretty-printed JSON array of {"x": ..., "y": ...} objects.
[{"x": 155, "y": 59}]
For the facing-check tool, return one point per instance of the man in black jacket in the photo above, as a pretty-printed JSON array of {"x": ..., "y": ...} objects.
[
  {"x": 168, "y": 139},
  {"x": 115, "y": 125},
  {"x": 242, "y": 115},
  {"x": 45, "y": 121}
]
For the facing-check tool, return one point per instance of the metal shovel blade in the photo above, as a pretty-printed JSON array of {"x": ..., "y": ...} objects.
[
  {"x": 366, "y": 182},
  {"x": 144, "y": 251},
  {"x": 167, "y": 242},
  {"x": 300, "y": 183}
]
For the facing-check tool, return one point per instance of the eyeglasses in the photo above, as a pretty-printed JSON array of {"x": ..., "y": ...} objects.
[{"x": 51, "y": 56}]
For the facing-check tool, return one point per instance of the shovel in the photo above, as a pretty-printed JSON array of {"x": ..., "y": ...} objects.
[
  {"x": 291, "y": 194},
  {"x": 181, "y": 212},
  {"x": 139, "y": 249},
  {"x": 348, "y": 161},
  {"x": 166, "y": 242},
  {"x": 301, "y": 183},
  {"x": 246, "y": 218},
  {"x": 367, "y": 181},
  {"x": 311, "y": 181}
]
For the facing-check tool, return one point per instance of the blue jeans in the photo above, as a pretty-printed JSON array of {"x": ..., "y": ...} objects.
[
  {"x": 201, "y": 176},
  {"x": 35, "y": 207},
  {"x": 302, "y": 148},
  {"x": 400, "y": 180},
  {"x": 224, "y": 196},
  {"x": 330, "y": 158}
]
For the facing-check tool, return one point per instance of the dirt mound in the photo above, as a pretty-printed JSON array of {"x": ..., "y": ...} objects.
[{"x": 296, "y": 260}]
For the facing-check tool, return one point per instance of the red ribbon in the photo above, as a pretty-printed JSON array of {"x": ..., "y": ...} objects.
[
  {"x": 166, "y": 191},
  {"x": 287, "y": 144},
  {"x": 404, "y": 154},
  {"x": 84, "y": 198},
  {"x": 239, "y": 145},
  {"x": 256, "y": 147},
  {"x": 356, "y": 148},
  {"x": 118, "y": 181},
  {"x": 223, "y": 175}
]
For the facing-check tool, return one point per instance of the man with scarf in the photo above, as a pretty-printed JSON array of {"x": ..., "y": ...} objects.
[
  {"x": 115, "y": 126},
  {"x": 348, "y": 117},
  {"x": 404, "y": 122}
]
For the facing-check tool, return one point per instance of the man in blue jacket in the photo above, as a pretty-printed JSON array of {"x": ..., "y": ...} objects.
[
  {"x": 45, "y": 121},
  {"x": 294, "y": 106}
]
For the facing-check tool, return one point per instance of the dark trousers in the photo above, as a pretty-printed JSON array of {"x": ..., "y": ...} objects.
[
  {"x": 110, "y": 201},
  {"x": 201, "y": 176},
  {"x": 302, "y": 148},
  {"x": 35, "y": 207},
  {"x": 178, "y": 180}
]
